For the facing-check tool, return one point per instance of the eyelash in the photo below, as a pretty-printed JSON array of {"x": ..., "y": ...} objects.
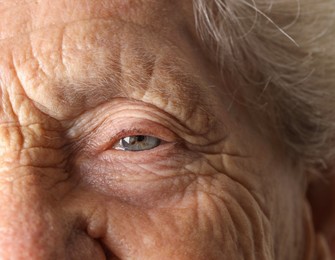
[
  {"x": 149, "y": 140},
  {"x": 167, "y": 149},
  {"x": 124, "y": 133},
  {"x": 108, "y": 133}
]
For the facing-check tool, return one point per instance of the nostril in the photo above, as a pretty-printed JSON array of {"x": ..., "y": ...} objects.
[
  {"x": 82, "y": 246},
  {"x": 95, "y": 228},
  {"x": 108, "y": 253}
]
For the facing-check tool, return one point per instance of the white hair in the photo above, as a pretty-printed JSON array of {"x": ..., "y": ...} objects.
[{"x": 282, "y": 51}]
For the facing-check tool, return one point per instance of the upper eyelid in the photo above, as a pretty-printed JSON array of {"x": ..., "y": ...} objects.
[
  {"x": 95, "y": 130},
  {"x": 106, "y": 112},
  {"x": 104, "y": 137}
]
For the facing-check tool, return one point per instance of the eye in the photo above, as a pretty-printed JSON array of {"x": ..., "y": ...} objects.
[{"x": 137, "y": 143}]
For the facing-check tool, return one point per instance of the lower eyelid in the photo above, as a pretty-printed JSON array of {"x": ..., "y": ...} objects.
[{"x": 162, "y": 152}]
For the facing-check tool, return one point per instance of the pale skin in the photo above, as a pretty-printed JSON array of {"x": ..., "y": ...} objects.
[{"x": 76, "y": 77}]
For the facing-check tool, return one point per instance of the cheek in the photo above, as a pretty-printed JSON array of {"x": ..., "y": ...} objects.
[
  {"x": 151, "y": 180},
  {"x": 194, "y": 215},
  {"x": 270, "y": 191}
]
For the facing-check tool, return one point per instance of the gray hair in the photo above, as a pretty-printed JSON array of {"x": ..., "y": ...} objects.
[{"x": 284, "y": 52}]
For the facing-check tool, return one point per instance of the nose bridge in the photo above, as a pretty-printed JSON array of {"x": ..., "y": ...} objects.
[
  {"x": 34, "y": 220},
  {"x": 30, "y": 159},
  {"x": 30, "y": 227}
]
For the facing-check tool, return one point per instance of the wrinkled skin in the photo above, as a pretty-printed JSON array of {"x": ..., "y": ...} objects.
[{"x": 77, "y": 76}]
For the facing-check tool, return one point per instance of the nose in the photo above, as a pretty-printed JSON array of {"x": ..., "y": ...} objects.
[
  {"x": 34, "y": 225},
  {"x": 27, "y": 227},
  {"x": 36, "y": 220}
]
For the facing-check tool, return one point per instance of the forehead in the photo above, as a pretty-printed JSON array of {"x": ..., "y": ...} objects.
[
  {"x": 33, "y": 15},
  {"x": 71, "y": 55}
]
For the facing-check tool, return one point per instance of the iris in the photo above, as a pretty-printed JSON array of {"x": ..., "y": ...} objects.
[{"x": 137, "y": 143}]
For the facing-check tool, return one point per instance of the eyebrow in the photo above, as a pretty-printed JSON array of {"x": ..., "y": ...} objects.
[{"x": 166, "y": 78}]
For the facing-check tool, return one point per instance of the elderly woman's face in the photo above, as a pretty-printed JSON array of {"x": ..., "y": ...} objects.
[{"x": 119, "y": 140}]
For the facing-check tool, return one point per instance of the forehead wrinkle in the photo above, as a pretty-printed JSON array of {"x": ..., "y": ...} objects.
[
  {"x": 164, "y": 73},
  {"x": 103, "y": 66},
  {"x": 106, "y": 81},
  {"x": 164, "y": 80},
  {"x": 103, "y": 84},
  {"x": 185, "y": 90},
  {"x": 93, "y": 69}
]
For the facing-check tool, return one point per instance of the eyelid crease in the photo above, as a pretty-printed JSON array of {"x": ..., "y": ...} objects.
[
  {"x": 106, "y": 112},
  {"x": 96, "y": 130},
  {"x": 111, "y": 130}
]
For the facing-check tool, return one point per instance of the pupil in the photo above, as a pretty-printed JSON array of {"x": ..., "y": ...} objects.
[
  {"x": 139, "y": 143},
  {"x": 132, "y": 140},
  {"x": 140, "y": 138}
]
